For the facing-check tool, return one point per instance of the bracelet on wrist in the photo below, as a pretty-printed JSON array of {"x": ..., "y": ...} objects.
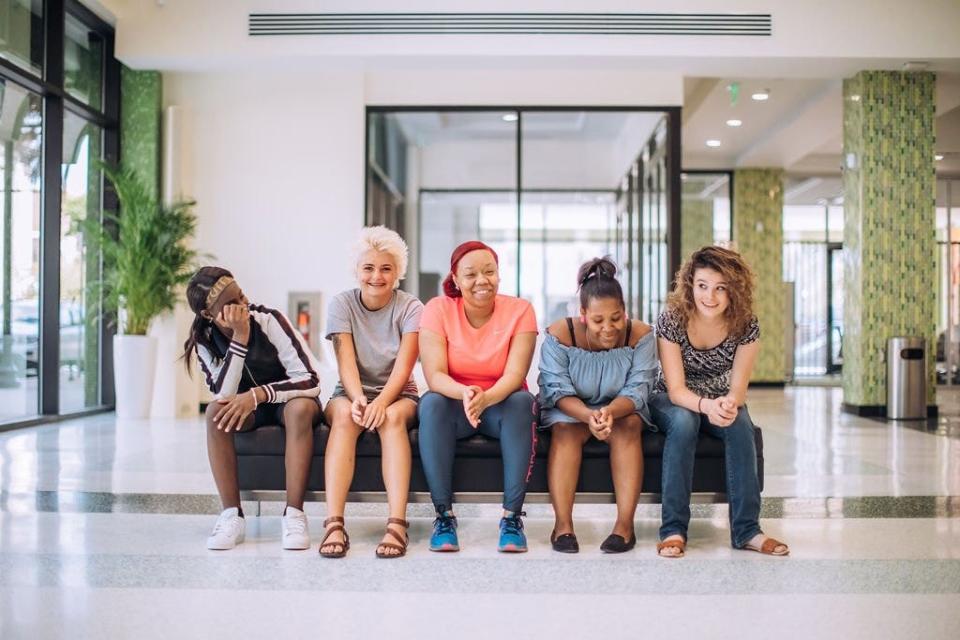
[{"x": 253, "y": 392}]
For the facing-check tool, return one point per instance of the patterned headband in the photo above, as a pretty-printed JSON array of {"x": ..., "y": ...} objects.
[{"x": 218, "y": 288}]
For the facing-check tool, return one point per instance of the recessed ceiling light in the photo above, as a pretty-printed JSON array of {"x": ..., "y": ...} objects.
[
  {"x": 713, "y": 143},
  {"x": 510, "y": 117},
  {"x": 760, "y": 96},
  {"x": 734, "y": 123},
  {"x": 938, "y": 156}
]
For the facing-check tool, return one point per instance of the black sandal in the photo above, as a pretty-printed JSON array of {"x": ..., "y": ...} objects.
[
  {"x": 342, "y": 547},
  {"x": 565, "y": 543},
  {"x": 617, "y": 544}
]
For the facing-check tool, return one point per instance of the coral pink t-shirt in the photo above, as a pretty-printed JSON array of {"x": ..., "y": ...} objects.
[{"x": 478, "y": 356}]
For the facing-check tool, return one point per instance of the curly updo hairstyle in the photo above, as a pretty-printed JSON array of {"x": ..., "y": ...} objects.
[{"x": 597, "y": 279}]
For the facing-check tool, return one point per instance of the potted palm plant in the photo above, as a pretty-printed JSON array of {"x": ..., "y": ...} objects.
[{"x": 146, "y": 260}]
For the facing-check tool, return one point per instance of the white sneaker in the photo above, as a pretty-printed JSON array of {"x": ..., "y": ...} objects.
[
  {"x": 228, "y": 532},
  {"x": 295, "y": 532}
]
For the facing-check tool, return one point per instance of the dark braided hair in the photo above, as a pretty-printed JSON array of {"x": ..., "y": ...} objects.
[
  {"x": 597, "y": 278},
  {"x": 197, "y": 291}
]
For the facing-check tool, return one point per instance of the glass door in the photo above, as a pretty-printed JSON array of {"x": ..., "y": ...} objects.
[
  {"x": 948, "y": 264},
  {"x": 834, "y": 307}
]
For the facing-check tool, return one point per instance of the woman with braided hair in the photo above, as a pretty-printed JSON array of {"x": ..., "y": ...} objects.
[{"x": 260, "y": 372}]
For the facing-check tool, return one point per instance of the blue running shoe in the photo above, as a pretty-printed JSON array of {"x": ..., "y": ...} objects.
[
  {"x": 512, "y": 538},
  {"x": 444, "y": 537}
]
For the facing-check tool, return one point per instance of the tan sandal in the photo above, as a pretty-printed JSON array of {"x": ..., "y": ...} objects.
[
  {"x": 343, "y": 547},
  {"x": 681, "y": 545},
  {"x": 400, "y": 546},
  {"x": 768, "y": 548}
]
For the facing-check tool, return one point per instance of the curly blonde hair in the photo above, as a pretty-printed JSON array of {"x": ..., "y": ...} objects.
[{"x": 735, "y": 272}]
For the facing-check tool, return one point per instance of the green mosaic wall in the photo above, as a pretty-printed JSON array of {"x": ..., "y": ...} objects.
[
  {"x": 696, "y": 225},
  {"x": 889, "y": 206},
  {"x": 140, "y": 124},
  {"x": 758, "y": 236}
]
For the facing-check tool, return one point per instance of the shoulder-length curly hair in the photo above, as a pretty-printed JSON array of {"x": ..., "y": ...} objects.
[{"x": 734, "y": 271}]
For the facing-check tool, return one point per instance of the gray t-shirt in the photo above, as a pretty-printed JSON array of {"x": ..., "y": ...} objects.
[{"x": 376, "y": 334}]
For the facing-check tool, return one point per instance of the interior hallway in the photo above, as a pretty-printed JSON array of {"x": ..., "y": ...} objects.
[{"x": 103, "y": 523}]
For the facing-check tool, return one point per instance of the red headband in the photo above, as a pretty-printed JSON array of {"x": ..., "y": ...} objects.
[{"x": 449, "y": 287}]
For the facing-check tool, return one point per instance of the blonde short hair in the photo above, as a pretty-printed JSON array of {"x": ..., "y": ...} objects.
[{"x": 380, "y": 238}]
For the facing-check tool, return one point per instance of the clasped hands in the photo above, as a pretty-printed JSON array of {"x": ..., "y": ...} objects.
[
  {"x": 720, "y": 411},
  {"x": 600, "y": 423},
  {"x": 475, "y": 401},
  {"x": 368, "y": 414}
]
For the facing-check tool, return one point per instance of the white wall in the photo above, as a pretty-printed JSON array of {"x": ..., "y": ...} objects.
[
  {"x": 506, "y": 84},
  {"x": 275, "y": 163}
]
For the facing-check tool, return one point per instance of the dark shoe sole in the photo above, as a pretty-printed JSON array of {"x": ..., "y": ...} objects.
[
  {"x": 617, "y": 544},
  {"x": 566, "y": 543}
]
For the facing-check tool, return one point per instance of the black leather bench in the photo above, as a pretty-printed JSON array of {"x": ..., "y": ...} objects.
[{"x": 478, "y": 471}]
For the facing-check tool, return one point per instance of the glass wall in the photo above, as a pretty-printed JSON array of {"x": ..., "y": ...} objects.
[
  {"x": 948, "y": 271},
  {"x": 707, "y": 206},
  {"x": 79, "y": 265},
  {"x": 21, "y": 34},
  {"x": 21, "y": 134},
  {"x": 58, "y": 119},
  {"x": 547, "y": 189},
  {"x": 83, "y": 62},
  {"x": 812, "y": 261}
]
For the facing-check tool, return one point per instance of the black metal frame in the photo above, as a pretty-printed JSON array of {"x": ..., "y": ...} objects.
[
  {"x": 832, "y": 367},
  {"x": 673, "y": 151},
  {"x": 56, "y": 103}
]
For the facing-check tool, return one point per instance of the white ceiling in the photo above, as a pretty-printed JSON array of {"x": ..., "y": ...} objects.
[{"x": 800, "y": 128}]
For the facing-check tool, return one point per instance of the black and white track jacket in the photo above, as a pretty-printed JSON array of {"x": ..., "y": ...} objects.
[{"x": 275, "y": 358}]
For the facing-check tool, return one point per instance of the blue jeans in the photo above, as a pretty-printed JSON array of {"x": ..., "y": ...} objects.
[
  {"x": 682, "y": 426},
  {"x": 513, "y": 422}
]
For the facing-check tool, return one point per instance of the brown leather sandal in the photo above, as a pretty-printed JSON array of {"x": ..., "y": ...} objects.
[
  {"x": 343, "y": 547},
  {"x": 400, "y": 548},
  {"x": 769, "y": 546},
  {"x": 672, "y": 544}
]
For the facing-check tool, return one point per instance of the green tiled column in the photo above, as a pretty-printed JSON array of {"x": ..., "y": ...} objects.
[
  {"x": 758, "y": 236},
  {"x": 696, "y": 225},
  {"x": 140, "y": 124},
  {"x": 889, "y": 243}
]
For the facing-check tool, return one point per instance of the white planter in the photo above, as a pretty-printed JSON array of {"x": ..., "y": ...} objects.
[{"x": 134, "y": 366}]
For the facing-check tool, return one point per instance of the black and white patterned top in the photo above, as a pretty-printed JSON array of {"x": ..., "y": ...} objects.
[{"x": 707, "y": 371}]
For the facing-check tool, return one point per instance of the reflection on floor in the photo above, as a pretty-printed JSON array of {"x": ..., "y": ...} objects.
[{"x": 103, "y": 522}]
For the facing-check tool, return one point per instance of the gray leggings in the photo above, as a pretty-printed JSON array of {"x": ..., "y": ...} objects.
[{"x": 513, "y": 422}]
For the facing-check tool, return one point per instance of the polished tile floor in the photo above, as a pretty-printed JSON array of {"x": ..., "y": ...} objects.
[{"x": 103, "y": 522}]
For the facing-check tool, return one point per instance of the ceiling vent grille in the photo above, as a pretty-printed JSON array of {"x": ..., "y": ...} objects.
[{"x": 628, "y": 24}]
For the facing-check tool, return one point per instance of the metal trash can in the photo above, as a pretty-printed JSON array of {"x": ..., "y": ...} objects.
[{"x": 906, "y": 378}]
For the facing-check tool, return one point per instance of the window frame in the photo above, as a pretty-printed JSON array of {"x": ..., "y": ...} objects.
[{"x": 56, "y": 102}]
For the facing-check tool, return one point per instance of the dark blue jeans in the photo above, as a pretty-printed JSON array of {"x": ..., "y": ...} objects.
[
  {"x": 682, "y": 426},
  {"x": 513, "y": 422}
]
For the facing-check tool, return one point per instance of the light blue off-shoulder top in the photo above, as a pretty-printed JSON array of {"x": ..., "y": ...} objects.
[{"x": 596, "y": 377}]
